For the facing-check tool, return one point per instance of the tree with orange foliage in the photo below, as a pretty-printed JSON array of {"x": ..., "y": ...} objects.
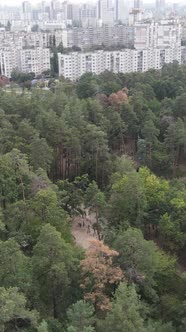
[
  {"x": 99, "y": 274},
  {"x": 118, "y": 98}
]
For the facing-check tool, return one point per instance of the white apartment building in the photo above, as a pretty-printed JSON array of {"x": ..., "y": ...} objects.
[
  {"x": 75, "y": 64},
  {"x": 35, "y": 60},
  {"x": 183, "y": 31},
  {"x": 61, "y": 37},
  {"x": 9, "y": 60},
  {"x": 166, "y": 33},
  {"x": 120, "y": 61},
  {"x": 10, "y": 40},
  {"x": 85, "y": 38},
  {"x": 143, "y": 35},
  {"x": 36, "y": 39},
  {"x": 26, "y": 39},
  {"x": 26, "y": 60}
]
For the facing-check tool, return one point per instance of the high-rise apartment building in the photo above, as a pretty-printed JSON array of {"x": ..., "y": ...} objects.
[
  {"x": 164, "y": 34},
  {"x": 143, "y": 35},
  {"x": 168, "y": 33},
  {"x": 121, "y": 8},
  {"x": 26, "y": 7},
  {"x": 26, "y": 11},
  {"x": 119, "y": 35},
  {"x": 138, "y": 3},
  {"x": 55, "y": 7},
  {"x": 35, "y": 60},
  {"x": 106, "y": 12},
  {"x": 75, "y": 64},
  {"x": 88, "y": 15},
  {"x": 26, "y": 60},
  {"x": 160, "y": 5},
  {"x": 9, "y": 60}
]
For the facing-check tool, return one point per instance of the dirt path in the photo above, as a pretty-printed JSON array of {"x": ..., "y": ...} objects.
[{"x": 82, "y": 230}]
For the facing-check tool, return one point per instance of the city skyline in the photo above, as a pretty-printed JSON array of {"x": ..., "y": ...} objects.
[
  {"x": 128, "y": 36},
  {"x": 35, "y": 2}
]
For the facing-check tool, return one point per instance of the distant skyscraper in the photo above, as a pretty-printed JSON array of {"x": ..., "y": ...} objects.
[
  {"x": 88, "y": 14},
  {"x": 160, "y": 5},
  {"x": 106, "y": 11},
  {"x": 55, "y": 7},
  {"x": 27, "y": 10},
  {"x": 138, "y": 3},
  {"x": 26, "y": 7},
  {"x": 43, "y": 5},
  {"x": 121, "y": 10}
]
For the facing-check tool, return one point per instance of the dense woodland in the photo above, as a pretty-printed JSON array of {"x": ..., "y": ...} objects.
[{"x": 114, "y": 144}]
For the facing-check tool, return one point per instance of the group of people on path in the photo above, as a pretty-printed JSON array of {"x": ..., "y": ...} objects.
[{"x": 87, "y": 224}]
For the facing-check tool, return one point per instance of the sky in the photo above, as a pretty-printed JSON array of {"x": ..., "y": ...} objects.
[{"x": 18, "y": 2}]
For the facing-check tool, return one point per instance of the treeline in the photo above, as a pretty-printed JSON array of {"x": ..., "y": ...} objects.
[
  {"x": 79, "y": 128},
  {"x": 64, "y": 151}
]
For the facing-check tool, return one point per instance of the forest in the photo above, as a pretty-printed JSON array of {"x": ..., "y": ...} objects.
[{"x": 113, "y": 145}]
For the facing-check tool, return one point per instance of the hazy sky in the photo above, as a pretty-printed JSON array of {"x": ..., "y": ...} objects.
[{"x": 18, "y": 2}]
